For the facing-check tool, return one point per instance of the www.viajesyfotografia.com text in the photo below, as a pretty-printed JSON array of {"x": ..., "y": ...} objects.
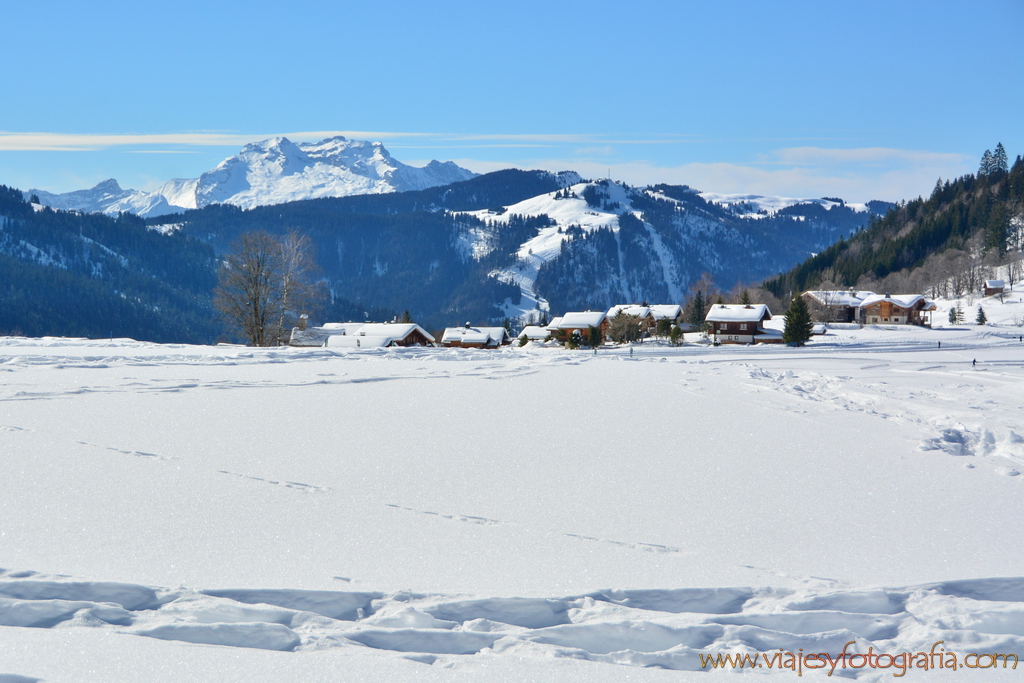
[{"x": 936, "y": 658}]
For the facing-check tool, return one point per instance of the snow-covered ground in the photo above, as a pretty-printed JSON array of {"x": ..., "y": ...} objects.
[{"x": 181, "y": 513}]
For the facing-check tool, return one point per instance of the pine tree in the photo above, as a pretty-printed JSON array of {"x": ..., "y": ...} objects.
[
  {"x": 982, "y": 318},
  {"x": 798, "y": 328},
  {"x": 956, "y": 315},
  {"x": 745, "y": 298},
  {"x": 1000, "y": 163},
  {"x": 986, "y": 163},
  {"x": 675, "y": 337},
  {"x": 698, "y": 309},
  {"x": 997, "y": 227}
]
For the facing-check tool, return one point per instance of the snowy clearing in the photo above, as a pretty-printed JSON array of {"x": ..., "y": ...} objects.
[{"x": 175, "y": 513}]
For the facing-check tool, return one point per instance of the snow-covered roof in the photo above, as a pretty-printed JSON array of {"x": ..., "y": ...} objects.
[
  {"x": 488, "y": 336},
  {"x": 629, "y": 309},
  {"x": 312, "y": 336},
  {"x": 666, "y": 311},
  {"x": 902, "y": 300},
  {"x": 553, "y": 325},
  {"x": 394, "y": 330},
  {"x": 317, "y": 336},
  {"x": 581, "y": 320},
  {"x": 738, "y": 313},
  {"x": 838, "y": 297},
  {"x": 370, "y": 335},
  {"x": 995, "y": 284},
  {"x": 357, "y": 341},
  {"x": 342, "y": 328},
  {"x": 767, "y": 335},
  {"x": 535, "y": 332}
]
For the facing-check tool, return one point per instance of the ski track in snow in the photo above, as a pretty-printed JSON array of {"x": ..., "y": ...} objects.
[
  {"x": 660, "y": 628},
  {"x": 305, "y": 488},
  {"x": 469, "y": 519}
]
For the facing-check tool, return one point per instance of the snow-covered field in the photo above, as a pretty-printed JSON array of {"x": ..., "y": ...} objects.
[{"x": 178, "y": 513}]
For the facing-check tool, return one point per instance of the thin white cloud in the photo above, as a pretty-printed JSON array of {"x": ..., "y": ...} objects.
[
  {"x": 71, "y": 142},
  {"x": 78, "y": 142},
  {"x": 84, "y": 142}
]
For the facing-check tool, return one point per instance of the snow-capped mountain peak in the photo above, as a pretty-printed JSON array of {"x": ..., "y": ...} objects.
[{"x": 271, "y": 171}]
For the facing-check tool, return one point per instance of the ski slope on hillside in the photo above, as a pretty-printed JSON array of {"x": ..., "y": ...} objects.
[
  {"x": 224, "y": 513},
  {"x": 673, "y": 249}
]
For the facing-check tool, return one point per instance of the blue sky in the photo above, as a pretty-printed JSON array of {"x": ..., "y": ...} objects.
[{"x": 860, "y": 100}]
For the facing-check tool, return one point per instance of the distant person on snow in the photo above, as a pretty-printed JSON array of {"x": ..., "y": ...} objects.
[{"x": 974, "y": 363}]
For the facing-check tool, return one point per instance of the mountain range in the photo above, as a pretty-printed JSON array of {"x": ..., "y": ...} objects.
[
  {"x": 512, "y": 243},
  {"x": 272, "y": 171},
  {"x": 519, "y": 243}
]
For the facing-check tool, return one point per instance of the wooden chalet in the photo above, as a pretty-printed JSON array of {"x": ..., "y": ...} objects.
[
  {"x": 377, "y": 335},
  {"x": 535, "y": 333},
  {"x": 469, "y": 337},
  {"x": 739, "y": 324},
  {"x": 895, "y": 309},
  {"x": 673, "y": 312},
  {"x": 644, "y": 314},
  {"x": 318, "y": 336},
  {"x": 582, "y": 322},
  {"x": 835, "y": 306}
]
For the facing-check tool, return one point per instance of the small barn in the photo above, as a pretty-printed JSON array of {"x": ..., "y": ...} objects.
[{"x": 993, "y": 287}]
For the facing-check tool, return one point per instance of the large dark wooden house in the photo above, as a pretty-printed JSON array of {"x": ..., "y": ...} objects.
[
  {"x": 895, "y": 309},
  {"x": 741, "y": 324}
]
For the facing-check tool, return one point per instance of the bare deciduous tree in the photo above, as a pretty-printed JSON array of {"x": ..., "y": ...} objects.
[
  {"x": 298, "y": 293},
  {"x": 261, "y": 282},
  {"x": 1013, "y": 268}
]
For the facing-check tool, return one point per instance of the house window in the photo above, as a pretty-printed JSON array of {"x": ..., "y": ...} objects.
[{"x": 743, "y": 326}]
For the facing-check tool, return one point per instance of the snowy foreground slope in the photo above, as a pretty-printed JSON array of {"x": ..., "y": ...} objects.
[{"x": 173, "y": 513}]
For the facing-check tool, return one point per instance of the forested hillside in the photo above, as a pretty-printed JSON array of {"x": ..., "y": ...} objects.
[
  {"x": 666, "y": 236},
  {"x": 398, "y": 251},
  {"x": 68, "y": 274},
  {"x": 938, "y": 244}
]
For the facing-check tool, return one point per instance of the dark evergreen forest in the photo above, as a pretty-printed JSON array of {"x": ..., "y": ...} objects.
[
  {"x": 923, "y": 242},
  {"x": 66, "y": 274}
]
